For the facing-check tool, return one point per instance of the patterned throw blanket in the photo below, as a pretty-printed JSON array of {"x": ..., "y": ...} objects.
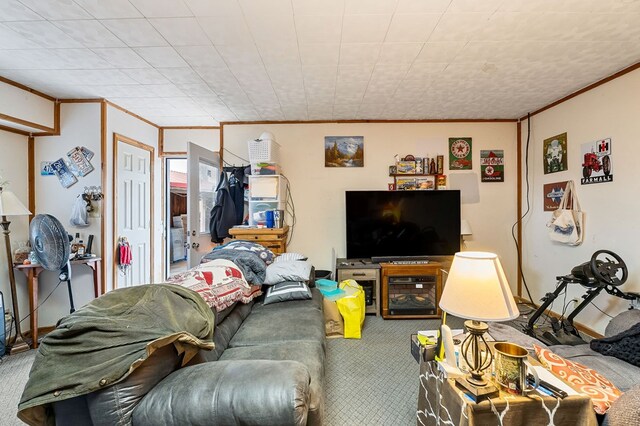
[{"x": 624, "y": 346}]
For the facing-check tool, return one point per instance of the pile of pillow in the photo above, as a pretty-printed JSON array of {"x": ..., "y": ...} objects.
[
  {"x": 220, "y": 282},
  {"x": 288, "y": 278}
]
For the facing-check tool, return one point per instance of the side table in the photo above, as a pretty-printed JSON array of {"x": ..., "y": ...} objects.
[
  {"x": 440, "y": 402},
  {"x": 275, "y": 239},
  {"x": 32, "y": 272}
]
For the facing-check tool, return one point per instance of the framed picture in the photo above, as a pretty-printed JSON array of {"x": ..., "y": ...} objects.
[
  {"x": 492, "y": 165},
  {"x": 405, "y": 183},
  {"x": 554, "y": 150},
  {"x": 426, "y": 183},
  {"x": 460, "y": 154},
  {"x": 344, "y": 151},
  {"x": 596, "y": 162}
]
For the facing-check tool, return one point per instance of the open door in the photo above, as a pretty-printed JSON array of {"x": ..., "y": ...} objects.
[{"x": 203, "y": 173}]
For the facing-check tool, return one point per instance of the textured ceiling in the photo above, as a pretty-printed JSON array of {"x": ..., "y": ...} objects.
[{"x": 199, "y": 62}]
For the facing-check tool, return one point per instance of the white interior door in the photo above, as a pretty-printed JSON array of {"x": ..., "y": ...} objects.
[
  {"x": 203, "y": 174},
  {"x": 134, "y": 203}
]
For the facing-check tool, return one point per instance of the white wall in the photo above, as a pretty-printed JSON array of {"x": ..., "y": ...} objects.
[
  {"x": 22, "y": 104},
  {"x": 79, "y": 126},
  {"x": 127, "y": 125},
  {"x": 608, "y": 111},
  {"x": 318, "y": 192},
  {"x": 13, "y": 168},
  {"x": 175, "y": 140}
]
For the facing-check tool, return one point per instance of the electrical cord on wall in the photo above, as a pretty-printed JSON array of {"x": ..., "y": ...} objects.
[
  {"x": 290, "y": 208},
  {"x": 596, "y": 306},
  {"x": 528, "y": 209}
]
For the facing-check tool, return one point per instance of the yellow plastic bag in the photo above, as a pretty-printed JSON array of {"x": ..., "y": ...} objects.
[{"x": 351, "y": 307}]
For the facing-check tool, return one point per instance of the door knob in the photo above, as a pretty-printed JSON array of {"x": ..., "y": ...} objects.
[{"x": 195, "y": 245}]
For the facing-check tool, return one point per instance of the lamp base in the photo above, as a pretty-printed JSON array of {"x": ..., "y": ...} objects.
[
  {"x": 479, "y": 393},
  {"x": 18, "y": 346}
]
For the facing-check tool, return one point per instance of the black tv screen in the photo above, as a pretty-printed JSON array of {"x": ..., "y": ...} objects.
[{"x": 402, "y": 223}]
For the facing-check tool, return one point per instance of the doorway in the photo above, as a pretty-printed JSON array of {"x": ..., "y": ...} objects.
[
  {"x": 176, "y": 215},
  {"x": 133, "y": 208}
]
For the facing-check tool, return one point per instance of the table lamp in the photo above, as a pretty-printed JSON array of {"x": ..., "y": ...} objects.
[
  {"x": 477, "y": 290},
  {"x": 11, "y": 206}
]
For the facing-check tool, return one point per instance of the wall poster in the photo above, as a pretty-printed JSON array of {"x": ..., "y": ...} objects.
[
  {"x": 596, "y": 162},
  {"x": 344, "y": 151},
  {"x": 460, "y": 154},
  {"x": 492, "y": 165},
  {"x": 554, "y": 151},
  {"x": 553, "y": 193}
]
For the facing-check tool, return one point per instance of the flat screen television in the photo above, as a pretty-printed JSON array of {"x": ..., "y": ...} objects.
[{"x": 402, "y": 224}]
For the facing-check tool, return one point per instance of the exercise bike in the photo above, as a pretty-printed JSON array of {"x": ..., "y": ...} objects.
[{"x": 596, "y": 275}]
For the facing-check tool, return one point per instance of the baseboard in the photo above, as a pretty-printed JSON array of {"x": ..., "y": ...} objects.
[{"x": 581, "y": 327}]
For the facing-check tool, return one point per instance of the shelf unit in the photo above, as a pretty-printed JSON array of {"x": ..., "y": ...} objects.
[
  {"x": 366, "y": 274},
  {"x": 275, "y": 239}
]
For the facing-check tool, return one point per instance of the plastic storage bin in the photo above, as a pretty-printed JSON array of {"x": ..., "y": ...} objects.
[
  {"x": 258, "y": 209},
  {"x": 264, "y": 151},
  {"x": 268, "y": 188}
]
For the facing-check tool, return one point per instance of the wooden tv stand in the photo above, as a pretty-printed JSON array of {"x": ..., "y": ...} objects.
[{"x": 411, "y": 290}]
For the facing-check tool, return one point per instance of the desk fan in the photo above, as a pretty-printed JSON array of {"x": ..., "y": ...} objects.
[{"x": 50, "y": 242}]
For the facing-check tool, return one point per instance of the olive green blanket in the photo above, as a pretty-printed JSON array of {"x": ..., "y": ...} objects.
[{"x": 104, "y": 341}]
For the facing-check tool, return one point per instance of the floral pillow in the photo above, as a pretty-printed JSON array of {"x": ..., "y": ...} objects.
[
  {"x": 220, "y": 283},
  {"x": 583, "y": 379}
]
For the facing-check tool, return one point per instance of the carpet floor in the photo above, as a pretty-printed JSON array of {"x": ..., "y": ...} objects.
[{"x": 370, "y": 381}]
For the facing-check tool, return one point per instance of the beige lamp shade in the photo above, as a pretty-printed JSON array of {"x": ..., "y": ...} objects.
[
  {"x": 477, "y": 289},
  {"x": 10, "y": 205}
]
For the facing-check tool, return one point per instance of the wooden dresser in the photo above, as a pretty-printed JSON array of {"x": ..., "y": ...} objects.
[{"x": 275, "y": 239}]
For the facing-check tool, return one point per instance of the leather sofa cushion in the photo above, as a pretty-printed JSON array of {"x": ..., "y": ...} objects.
[
  {"x": 311, "y": 354},
  {"x": 256, "y": 392},
  {"x": 290, "y": 322},
  {"x": 226, "y": 330}
]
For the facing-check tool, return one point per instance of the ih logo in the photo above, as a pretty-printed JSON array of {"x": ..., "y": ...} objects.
[{"x": 603, "y": 146}]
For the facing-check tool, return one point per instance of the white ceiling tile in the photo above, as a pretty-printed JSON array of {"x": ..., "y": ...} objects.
[
  {"x": 444, "y": 51},
  {"x": 270, "y": 29},
  {"x": 196, "y": 89},
  {"x": 112, "y": 9},
  {"x": 89, "y": 77},
  {"x": 270, "y": 7},
  {"x": 30, "y": 59},
  {"x": 278, "y": 55},
  {"x": 79, "y": 59},
  {"x": 226, "y": 30},
  {"x": 318, "y": 29},
  {"x": 359, "y": 53},
  {"x": 121, "y": 57},
  {"x": 422, "y": 6},
  {"x": 240, "y": 56},
  {"x": 362, "y": 7},
  {"x": 181, "y": 75},
  {"x": 399, "y": 52},
  {"x": 319, "y": 54},
  {"x": 314, "y": 7},
  {"x": 214, "y": 7},
  {"x": 43, "y": 33},
  {"x": 162, "y": 8},
  {"x": 135, "y": 32},
  {"x": 364, "y": 28},
  {"x": 13, "y": 10},
  {"x": 458, "y": 6},
  {"x": 201, "y": 56},
  {"x": 165, "y": 90},
  {"x": 90, "y": 33},
  {"x": 161, "y": 57},
  {"x": 459, "y": 26},
  {"x": 181, "y": 31},
  {"x": 412, "y": 27},
  {"x": 56, "y": 9},
  {"x": 10, "y": 39},
  {"x": 146, "y": 76}
]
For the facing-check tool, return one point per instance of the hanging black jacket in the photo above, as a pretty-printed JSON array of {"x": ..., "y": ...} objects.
[{"x": 223, "y": 214}]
